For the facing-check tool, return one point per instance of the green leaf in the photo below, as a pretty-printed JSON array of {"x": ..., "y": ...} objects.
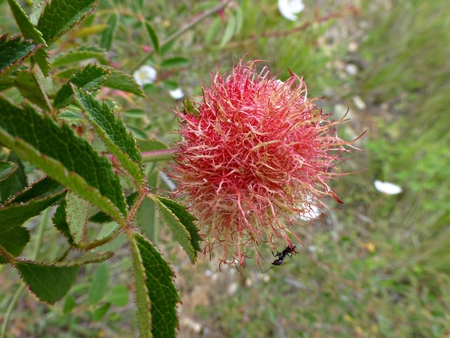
[
  {"x": 15, "y": 51},
  {"x": 69, "y": 304},
  {"x": 138, "y": 133},
  {"x": 151, "y": 144},
  {"x": 239, "y": 19},
  {"x": 186, "y": 219},
  {"x": 229, "y": 31},
  {"x": 113, "y": 133},
  {"x": 29, "y": 203},
  {"x": 67, "y": 73},
  {"x": 143, "y": 313},
  {"x": 90, "y": 77},
  {"x": 119, "y": 295},
  {"x": 135, "y": 113},
  {"x": 24, "y": 23},
  {"x": 59, "y": 16},
  {"x": 109, "y": 33},
  {"x": 51, "y": 282},
  {"x": 62, "y": 155},
  {"x": 101, "y": 217},
  {"x": 79, "y": 54},
  {"x": 13, "y": 240},
  {"x": 48, "y": 282},
  {"x": 119, "y": 80},
  {"x": 40, "y": 189},
  {"x": 6, "y": 81},
  {"x": 100, "y": 312},
  {"x": 213, "y": 30},
  {"x": 76, "y": 215},
  {"x": 161, "y": 289},
  {"x": 181, "y": 223},
  {"x": 29, "y": 31},
  {"x": 175, "y": 62},
  {"x": 114, "y": 245},
  {"x": 15, "y": 182},
  {"x": 153, "y": 36},
  {"x": 90, "y": 29},
  {"x": 71, "y": 116},
  {"x": 99, "y": 284},
  {"x": 28, "y": 86},
  {"x": 7, "y": 169},
  {"x": 146, "y": 219},
  {"x": 169, "y": 85},
  {"x": 167, "y": 47},
  {"x": 60, "y": 222}
]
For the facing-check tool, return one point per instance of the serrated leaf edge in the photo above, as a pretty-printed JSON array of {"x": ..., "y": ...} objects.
[{"x": 190, "y": 251}]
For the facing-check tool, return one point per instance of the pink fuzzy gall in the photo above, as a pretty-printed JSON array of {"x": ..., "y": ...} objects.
[{"x": 256, "y": 155}]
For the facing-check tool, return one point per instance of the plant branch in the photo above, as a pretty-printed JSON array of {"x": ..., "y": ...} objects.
[
  {"x": 352, "y": 10},
  {"x": 99, "y": 242},
  {"x": 159, "y": 155}
]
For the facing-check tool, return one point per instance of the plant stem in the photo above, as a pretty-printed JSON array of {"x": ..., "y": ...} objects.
[
  {"x": 182, "y": 30},
  {"x": 159, "y": 155},
  {"x": 94, "y": 244},
  {"x": 15, "y": 297}
]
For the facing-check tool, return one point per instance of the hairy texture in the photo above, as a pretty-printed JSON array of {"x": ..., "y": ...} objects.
[{"x": 256, "y": 154}]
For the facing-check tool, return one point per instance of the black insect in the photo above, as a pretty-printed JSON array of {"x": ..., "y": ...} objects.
[{"x": 289, "y": 251}]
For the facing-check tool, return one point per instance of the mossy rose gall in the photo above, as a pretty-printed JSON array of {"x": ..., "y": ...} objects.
[{"x": 256, "y": 155}]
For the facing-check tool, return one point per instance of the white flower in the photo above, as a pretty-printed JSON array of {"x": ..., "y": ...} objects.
[
  {"x": 177, "y": 94},
  {"x": 288, "y": 8},
  {"x": 145, "y": 75},
  {"x": 387, "y": 188}
]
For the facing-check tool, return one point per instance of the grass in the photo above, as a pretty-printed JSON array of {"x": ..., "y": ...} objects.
[{"x": 379, "y": 266}]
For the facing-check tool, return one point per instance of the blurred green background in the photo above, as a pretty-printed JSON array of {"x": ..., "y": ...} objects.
[{"x": 376, "y": 266}]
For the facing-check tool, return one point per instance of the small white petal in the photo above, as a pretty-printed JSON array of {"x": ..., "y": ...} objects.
[
  {"x": 176, "y": 93},
  {"x": 288, "y": 8},
  {"x": 387, "y": 188},
  {"x": 145, "y": 75}
]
